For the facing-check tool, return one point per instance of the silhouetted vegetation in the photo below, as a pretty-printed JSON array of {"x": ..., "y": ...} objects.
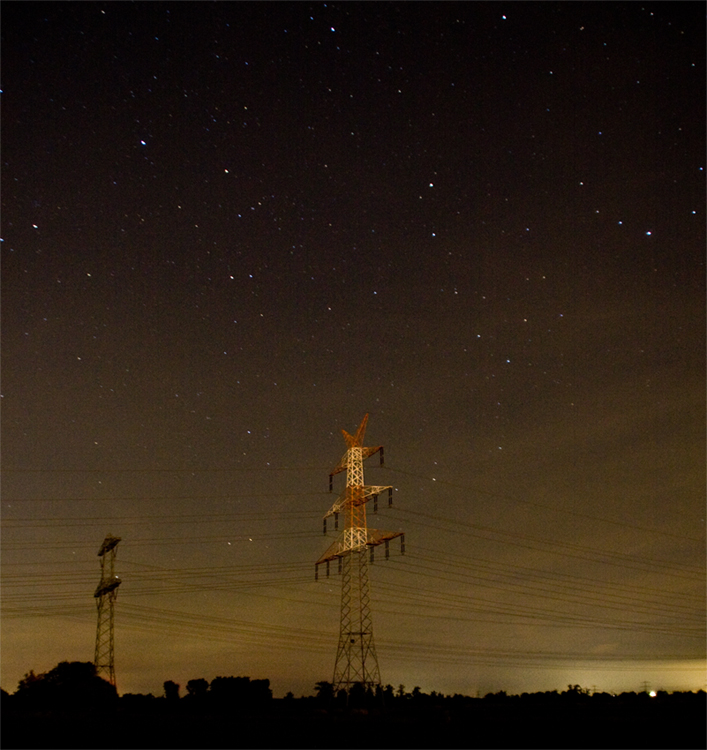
[
  {"x": 171, "y": 691},
  {"x": 69, "y": 685},
  {"x": 232, "y": 693},
  {"x": 71, "y": 706}
]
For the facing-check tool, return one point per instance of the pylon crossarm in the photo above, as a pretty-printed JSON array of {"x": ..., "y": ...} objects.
[
  {"x": 376, "y": 537},
  {"x": 109, "y": 543},
  {"x": 105, "y": 587},
  {"x": 371, "y": 491},
  {"x": 355, "y": 540},
  {"x": 341, "y": 466},
  {"x": 361, "y": 496},
  {"x": 334, "y": 551},
  {"x": 368, "y": 452},
  {"x": 337, "y": 507}
]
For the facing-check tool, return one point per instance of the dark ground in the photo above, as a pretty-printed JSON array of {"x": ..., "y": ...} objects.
[{"x": 631, "y": 721}]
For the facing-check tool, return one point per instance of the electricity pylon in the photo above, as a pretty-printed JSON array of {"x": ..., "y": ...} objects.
[
  {"x": 105, "y": 594},
  {"x": 356, "y": 660}
]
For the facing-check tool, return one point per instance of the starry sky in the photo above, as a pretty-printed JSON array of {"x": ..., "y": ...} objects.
[{"x": 231, "y": 230}]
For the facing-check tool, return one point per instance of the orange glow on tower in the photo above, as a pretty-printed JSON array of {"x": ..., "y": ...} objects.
[{"x": 356, "y": 659}]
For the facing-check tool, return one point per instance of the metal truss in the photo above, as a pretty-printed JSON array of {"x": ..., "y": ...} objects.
[
  {"x": 356, "y": 659},
  {"x": 105, "y": 595}
]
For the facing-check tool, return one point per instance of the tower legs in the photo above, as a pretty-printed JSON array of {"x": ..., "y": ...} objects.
[
  {"x": 104, "y": 654},
  {"x": 356, "y": 660}
]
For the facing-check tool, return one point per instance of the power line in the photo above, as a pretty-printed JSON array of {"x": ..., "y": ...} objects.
[
  {"x": 173, "y": 470},
  {"x": 613, "y": 558},
  {"x": 169, "y": 498},
  {"x": 143, "y": 541},
  {"x": 596, "y": 602},
  {"x": 201, "y": 518},
  {"x": 542, "y": 506}
]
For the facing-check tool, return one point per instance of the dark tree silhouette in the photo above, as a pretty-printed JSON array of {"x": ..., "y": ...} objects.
[
  {"x": 239, "y": 692},
  {"x": 171, "y": 691},
  {"x": 260, "y": 691},
  {"x": 388, "y": 694},
  {"x": 32, "y": 686},
  {"x": 198, "y": 688},
  {"x": 357, "y": 695},
  {"x": 69, "y": 686},
  {"x": 325, "y": 691}
]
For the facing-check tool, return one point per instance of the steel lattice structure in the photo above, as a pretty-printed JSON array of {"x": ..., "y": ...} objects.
[
  {"x": 105, "y": 594},
  {"x": 356, "y": 659}
]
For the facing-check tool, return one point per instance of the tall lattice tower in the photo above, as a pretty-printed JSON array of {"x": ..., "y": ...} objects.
[
  {"x": 106, "y": 593},
  {"x": 356, "y": 660}
]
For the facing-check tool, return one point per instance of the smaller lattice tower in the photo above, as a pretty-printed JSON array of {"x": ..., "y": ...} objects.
[
  {"x": 356, "y": 659},
  {"x": 105, "y": 595}
]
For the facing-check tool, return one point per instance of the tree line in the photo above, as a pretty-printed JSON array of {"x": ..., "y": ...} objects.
[
  {"x": 72, "y": 706},
  {"x": 78, "y": 684}
]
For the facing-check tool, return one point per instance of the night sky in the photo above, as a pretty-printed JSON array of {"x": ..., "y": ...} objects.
[{"x": 231, "y": 230}]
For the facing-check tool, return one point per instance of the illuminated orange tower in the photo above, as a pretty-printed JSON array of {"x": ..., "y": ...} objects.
[
  {"x": 356, "y": 660},
  {"x": 106, "y": 594}
]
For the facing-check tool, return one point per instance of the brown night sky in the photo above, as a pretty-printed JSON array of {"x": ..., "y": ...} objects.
[{"x": 232, "y": 229}]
